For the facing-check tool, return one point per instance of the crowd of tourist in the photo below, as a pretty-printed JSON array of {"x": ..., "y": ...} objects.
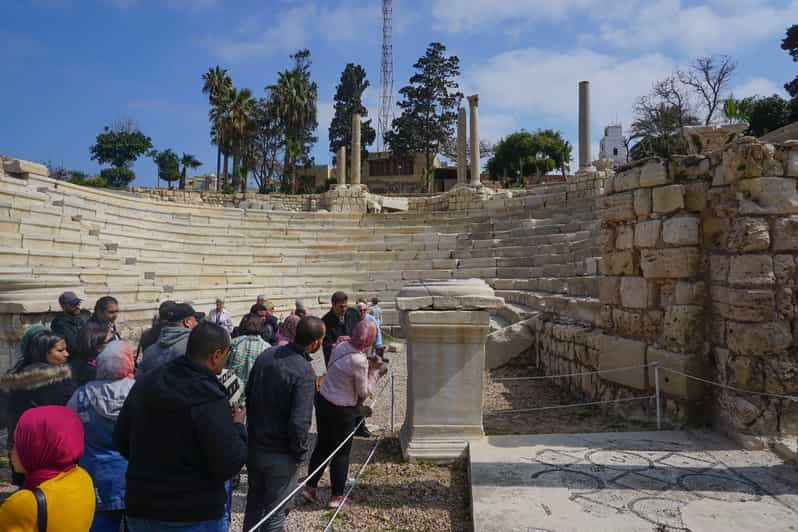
[{"x": 103, "y": 437}]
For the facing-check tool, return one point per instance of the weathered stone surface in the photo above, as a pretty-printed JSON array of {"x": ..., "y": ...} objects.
[
  {"x": 624, "y": 237},
  {"x": 785, "y": 303},
  {"x": 670, "y": 263},
  {"x": 647, "y": 233},
  {"x": 680, "y": 231},
  {"x": 689, "y": 293},
  {"x": 668, "y": 199},
  {"x": 744, "y": 304},
  {"x": 642, "y": 202},
  {"x": 653, "y": 174},
  {"x": 618, "y": 263},
  {"x": 709, "y": 139},
  {"x": 671, "y": 383},
  {"x": 618, "y": 207},
  {"x": 502, "y": 345},
  {"x": 695, "y": 197},
  {"x": 715, "y": 233},
  {"x": 634, "y": 292},
  {"x": 609, "y": 290},
  {"x": 745, "y": 158},
  {"x": 784, "y": 268},
  {"x": 627, "y": 180},
  {"x": 768, "y": 195},
  {"x": 18, "y": 166},
  {"x": 689, "y": 166},
  {"x": 785, "y": 234},
  {"x": 621, "y": 352},
  {"x": 719, "y": 268},
  {"x": 683, "y": 327},
  {"x": 606, "y": 239},
  {"x": 750, "y": 234},
  {"x": 767, "y": 338},
  {"x": 627, "y": 323},
  {"x": 745, "y": 270}
]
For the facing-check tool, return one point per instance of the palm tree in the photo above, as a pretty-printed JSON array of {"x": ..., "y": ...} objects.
[
  {"x": 218, "y": 85},
  {"x": 241, "y": 129},
  {"x": 187, "y": 161}
]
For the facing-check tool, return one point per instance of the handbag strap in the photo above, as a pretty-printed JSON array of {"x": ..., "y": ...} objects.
[{"x": 41, "y": 509}]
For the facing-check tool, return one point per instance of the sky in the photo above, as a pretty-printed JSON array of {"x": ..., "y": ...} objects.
[{"x": 70, "y": 67}]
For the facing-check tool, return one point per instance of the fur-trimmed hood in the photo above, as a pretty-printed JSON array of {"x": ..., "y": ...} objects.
[{"x": 35, "y": 376}]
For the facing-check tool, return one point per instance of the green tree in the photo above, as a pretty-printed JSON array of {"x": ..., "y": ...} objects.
[
  {"x": 187, "y": 161},
  {"x": 295, "y": 97},
  {"x": 524, "y": 154},
  {"x": 267, "y": 144},
  {"x": 117, "y": 177},
  {"x": 168, "y": 165},
  {"x": 790, "y": 44},
  {"x": 659, "y": 119},
  {"x": 120, "y": 146},
  {"x": 241, "y": 129},
  {"x": 218, "y": 85},
  {"x": 763, "y": 115},
  {"x": 429, "y": 108},
  {"x": 348, "y": 101}
]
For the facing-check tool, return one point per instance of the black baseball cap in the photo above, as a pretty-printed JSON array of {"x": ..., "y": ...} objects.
[{"x": 181, "y": 311}]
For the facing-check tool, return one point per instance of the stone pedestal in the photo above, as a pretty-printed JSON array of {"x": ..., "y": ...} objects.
[{"x": 445, "y": 324}]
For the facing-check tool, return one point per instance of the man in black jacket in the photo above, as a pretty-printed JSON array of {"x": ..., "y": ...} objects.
[
  {"x": 179, "y": 437},
  {"x": 280, "y": 394},
  {"x": 69, "y": 322}
]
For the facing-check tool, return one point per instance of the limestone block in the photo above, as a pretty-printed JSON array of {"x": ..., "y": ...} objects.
[
  {"x": 502, "y": 345},
  {"x": 628, "y": 323},
  {"x": 683, "y": 327},
  {"x": 785, "y": 234},
  {"x": 621, "y": 352},
  {"x": 617, "y": 207},
  {"x": 689, "y": 166},
  {"x": 449, "y": 317},
  {"x": 695, "y": 197},
  {"x": 672, "y": 263},
  {"x": 634, "y": 292},
  {"x": 680, "y": 231},
  {"x": 609, "y": 290},
  {"x": 626, "y": 180},
  {"x": 791, "y": 163},
  {"x": 17, "y": 166},
  {"x": 647, "y": 233},
  {"x": 653, "y": 174},
  {"x": 751, "y": 270},
  {"x": 606, "y": 239},
  {"x": 668, "y": 199},
  {"x": 689, "y": 293},
  {"x": 719, "y": 268},
  {"x": 769, "y": 338},
  {"x": 744, "y": 159},
  {"x": 768, "y": 195},
  {"x": 624, "y": 237},
  {"x": 785, "y": 303},
  {"x": 642, "y": 202},
  {"x": 671, "y": 383},
  {"x": 750, "y": 234},
  {"x": 743, "y": 304},
  {"x": 784, "y": 268},
  {"x": 618, "y": 263}
]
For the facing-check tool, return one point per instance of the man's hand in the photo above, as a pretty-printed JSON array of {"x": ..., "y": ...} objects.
[{"x": 239, "y": 414}]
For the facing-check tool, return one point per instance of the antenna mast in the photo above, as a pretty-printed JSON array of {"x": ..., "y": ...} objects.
[{"x": 386, "y": 75}]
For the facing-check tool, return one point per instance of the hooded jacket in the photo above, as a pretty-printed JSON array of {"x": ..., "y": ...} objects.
[
  {"x": 177, "y": 433},
  {"x": 171, "y": 344},
  {"x": 37, "y": 384},
  {"x": 69, "y": 327}
]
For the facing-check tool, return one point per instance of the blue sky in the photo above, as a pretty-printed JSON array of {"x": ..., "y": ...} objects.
[{"x": 72, "y": 66}]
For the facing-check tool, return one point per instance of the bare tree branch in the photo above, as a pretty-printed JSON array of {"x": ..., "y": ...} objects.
[{"x": 709, "y": 77}]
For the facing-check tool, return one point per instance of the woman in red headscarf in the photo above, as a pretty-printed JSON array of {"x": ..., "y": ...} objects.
[
  {"x": 48, "y": 442},
  {"x": 350, "y": 379}
]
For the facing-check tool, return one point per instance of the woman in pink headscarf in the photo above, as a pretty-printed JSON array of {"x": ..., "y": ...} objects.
[
  {"x": 350, "y": 379},
  {"x": 48, "y": 442}
]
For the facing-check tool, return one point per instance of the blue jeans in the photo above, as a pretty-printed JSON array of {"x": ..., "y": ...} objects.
[{"x": 137, "y": 524}]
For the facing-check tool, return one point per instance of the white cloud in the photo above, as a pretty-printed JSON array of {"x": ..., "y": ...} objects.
[
  {"x": 465, "y": 15},
  {"x": 758, "y": 87}
]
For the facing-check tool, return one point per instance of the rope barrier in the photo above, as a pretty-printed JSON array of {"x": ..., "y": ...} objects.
[
  {"x": 543, "y": 377},
  {"x": 354, "y": 483},
  {"x": 727, "y": 387},
  {"x": 572, "y": 405},
  {"x": 321, "y": 466}
]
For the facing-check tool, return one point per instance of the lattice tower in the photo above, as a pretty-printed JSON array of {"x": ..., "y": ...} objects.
[{"x": 386, "y": 75}]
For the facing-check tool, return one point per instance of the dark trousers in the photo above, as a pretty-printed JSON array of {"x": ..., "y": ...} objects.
[
  {"x": 272, "y": 476},
  {"x": 334, "y": 423}
]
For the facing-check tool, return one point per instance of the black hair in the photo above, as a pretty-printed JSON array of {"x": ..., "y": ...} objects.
[
  {"x": 40, "y": 345},
  {"x": 252, "y": 324},
  {"x": 205, "y": 339},
  {"x": 308, "y": 330},
  {"x": 90, "y": 338},
  {"x": 257, "y": 307},
  {"x": 338, "y": 297},
  {"x": 375, "y": 300},
  {"x": 163, "y": 307},
  {"x": 103, "y": 303}
]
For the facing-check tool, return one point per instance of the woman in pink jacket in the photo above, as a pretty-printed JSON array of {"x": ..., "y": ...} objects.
[{"x": 350, "y": 379}]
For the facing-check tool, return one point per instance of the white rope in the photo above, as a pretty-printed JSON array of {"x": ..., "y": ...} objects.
[
  {"x": 354, "y": 483},
  {"x": 543, "y": 377},
  {"x": 727, "y": 387},
  {"x": 321, "y": 466},
  {"x": 572, "y": 405}
]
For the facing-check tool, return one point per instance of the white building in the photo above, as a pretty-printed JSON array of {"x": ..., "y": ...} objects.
[{"x": 611, "y": 147}]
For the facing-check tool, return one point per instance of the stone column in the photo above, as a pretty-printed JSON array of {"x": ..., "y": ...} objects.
[
  {"x": 341, "y": 166},
  {"x": 585, "y": 157},
  {"x": 462, "y": 157},
  {"x": 355, "y": 179},
  {"x": 473, "y": 102},
  {"x": 445, "y": 324}
]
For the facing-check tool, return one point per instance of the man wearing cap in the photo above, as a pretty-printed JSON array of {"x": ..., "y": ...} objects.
[
  {"x": 181, "y": 318},
  {"x": 221, "y": 316},
  {"x": 69, "y": 322}
]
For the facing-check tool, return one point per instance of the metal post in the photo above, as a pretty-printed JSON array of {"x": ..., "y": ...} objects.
[
  {"x": 656, "y": 391},
  {"x": 393, "y": 403}
]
